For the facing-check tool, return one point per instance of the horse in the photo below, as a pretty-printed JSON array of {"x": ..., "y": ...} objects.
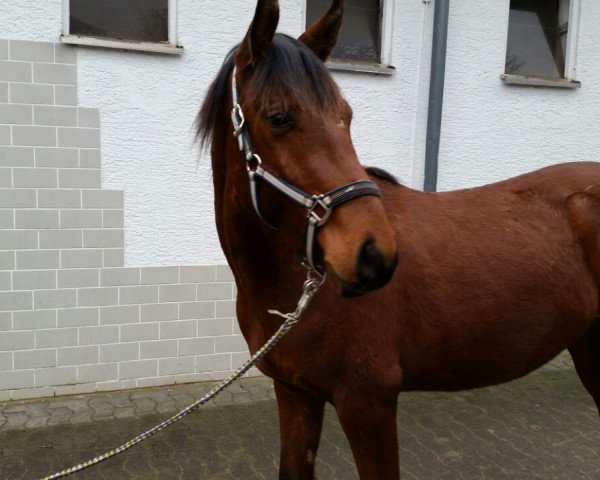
[{"x": 422, "y": 291}]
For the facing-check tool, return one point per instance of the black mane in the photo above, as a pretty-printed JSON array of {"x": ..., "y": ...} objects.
[
  {"x": 382, "y": 174},
  {"x": 289, "y": 74}
]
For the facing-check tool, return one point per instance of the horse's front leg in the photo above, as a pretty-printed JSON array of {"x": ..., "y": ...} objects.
[
  {"x": 369, "y": 423},
  {"x": 300, "y": 422}
]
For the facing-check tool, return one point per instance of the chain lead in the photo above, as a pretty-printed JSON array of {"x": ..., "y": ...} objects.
[{"x": 313, "y": 282}]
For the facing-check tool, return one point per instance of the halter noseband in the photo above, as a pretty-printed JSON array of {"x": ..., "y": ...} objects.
[{"x": 319, "y": 207}]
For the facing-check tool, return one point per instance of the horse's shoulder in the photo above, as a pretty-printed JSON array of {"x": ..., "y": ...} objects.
[
  {"x": 584, "y": 207},
  {"x": 583, "y": 211}
]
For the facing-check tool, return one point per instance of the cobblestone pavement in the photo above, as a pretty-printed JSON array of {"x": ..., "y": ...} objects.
[{"x": 544, "y": 426}]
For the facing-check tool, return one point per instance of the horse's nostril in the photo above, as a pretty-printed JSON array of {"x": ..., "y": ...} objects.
[
  {"x": 370, "y": 262},
  {"x": 372, "y": 270}
]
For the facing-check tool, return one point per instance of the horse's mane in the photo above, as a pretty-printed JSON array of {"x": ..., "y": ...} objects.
[
  {"x": 290, "y": 74},
  {"x": 382, "y": 175}
]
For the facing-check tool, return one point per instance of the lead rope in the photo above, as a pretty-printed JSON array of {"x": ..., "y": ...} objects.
[{"x": 311, "y": 286}]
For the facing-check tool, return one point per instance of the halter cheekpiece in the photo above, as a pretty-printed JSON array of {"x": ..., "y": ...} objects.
[{"x": 319, "y": 207}]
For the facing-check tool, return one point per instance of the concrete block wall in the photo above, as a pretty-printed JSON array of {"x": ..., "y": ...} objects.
[{"x": 73, "y": 318}]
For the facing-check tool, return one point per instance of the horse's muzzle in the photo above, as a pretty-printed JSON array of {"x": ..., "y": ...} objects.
[{"x": 372, "y": 269}]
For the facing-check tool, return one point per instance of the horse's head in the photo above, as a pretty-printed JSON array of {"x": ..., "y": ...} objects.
[{"x": 299, "y": 125}]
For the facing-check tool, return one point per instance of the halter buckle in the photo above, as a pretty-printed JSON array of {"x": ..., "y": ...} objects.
[{"x": 319, "y": 217}]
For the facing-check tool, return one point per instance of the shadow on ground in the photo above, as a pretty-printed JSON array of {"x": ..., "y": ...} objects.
[{"x": 544, "y": 426}]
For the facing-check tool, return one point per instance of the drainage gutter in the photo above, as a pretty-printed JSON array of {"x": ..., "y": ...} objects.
[{"x": 436, "y": 93}]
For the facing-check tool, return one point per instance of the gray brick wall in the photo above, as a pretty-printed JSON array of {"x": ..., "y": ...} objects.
[{"x": 73, "y": 318}]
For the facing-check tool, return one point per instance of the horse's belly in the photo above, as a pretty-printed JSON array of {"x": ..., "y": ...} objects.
[
  {"x": 483, "y": 347},
  {"x": 479, "y": 371}
]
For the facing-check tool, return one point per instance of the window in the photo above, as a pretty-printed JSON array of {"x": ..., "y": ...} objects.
[
  {"x": 365, "y": 30},
  {"x": 541, "y": 38},
  {"x": 131, "y": 24}
]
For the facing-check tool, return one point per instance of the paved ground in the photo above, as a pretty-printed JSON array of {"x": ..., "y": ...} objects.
[{"x": 542, "y": 427}]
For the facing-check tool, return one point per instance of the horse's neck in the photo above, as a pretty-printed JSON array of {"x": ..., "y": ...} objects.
[
  {"x": 263, "y": 269},
  {"x": 259, "y": 258}
]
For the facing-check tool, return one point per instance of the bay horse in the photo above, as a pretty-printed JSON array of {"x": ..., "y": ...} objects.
[{"x": 467, "y": 289}]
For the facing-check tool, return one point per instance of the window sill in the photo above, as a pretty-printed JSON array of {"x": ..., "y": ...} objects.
[
  {"x": 372, "y": 68},
  {"x": 510, "y": 79},
  {"x": 122, "y": 44}
]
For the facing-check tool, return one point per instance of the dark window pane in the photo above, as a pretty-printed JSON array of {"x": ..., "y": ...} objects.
[
  {"x": 361, "y": 31},
  {"x": 142, "y": 20},
  {"x": 536, "y": 38}
]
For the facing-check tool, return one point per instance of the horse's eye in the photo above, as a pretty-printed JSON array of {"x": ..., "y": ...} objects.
[{"x": 281, "y": 120}]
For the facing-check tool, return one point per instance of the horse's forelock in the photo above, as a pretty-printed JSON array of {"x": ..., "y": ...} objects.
[{"x": 290, "y": 74}]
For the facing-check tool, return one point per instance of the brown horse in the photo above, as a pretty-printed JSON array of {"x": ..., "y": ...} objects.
[{"x": 491, "y": 282}]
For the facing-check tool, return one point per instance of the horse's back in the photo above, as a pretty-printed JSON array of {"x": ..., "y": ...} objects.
[{"x": 561, "y": 179}]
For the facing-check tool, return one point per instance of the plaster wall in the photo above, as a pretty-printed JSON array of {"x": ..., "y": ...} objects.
[
  {"x": 491, "y": 130},
  {"x": 148, "y": 103}
]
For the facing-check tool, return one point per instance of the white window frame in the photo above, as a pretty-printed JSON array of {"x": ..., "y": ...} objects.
[
  {"x": 572, "y": 40},
  {"x": 170, "y": 47},
  {"x": 384, "y": 67},
  {"x": 570, "y": 74}
]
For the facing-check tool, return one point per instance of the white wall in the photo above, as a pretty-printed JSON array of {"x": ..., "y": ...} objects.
[
  {"x": 148, "y": 103},
  {"x": 492, "y": 130}
]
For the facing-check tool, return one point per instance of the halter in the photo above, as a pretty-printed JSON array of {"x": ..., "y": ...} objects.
[{"x": 319, "y": 207}]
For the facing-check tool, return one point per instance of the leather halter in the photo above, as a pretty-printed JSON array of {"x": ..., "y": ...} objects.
[{"x": 319, "y": 207}]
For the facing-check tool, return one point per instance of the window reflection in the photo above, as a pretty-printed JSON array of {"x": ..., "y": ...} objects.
[
  {"x": 140, "y": 20},
  {"x": 537, "y": 36},
  {"x": 360, "y": 35}
]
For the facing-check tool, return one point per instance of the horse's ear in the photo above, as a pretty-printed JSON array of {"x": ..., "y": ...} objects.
[
  {"x": 259, "y": 38},
  {"x": 322, "y": 36}
]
